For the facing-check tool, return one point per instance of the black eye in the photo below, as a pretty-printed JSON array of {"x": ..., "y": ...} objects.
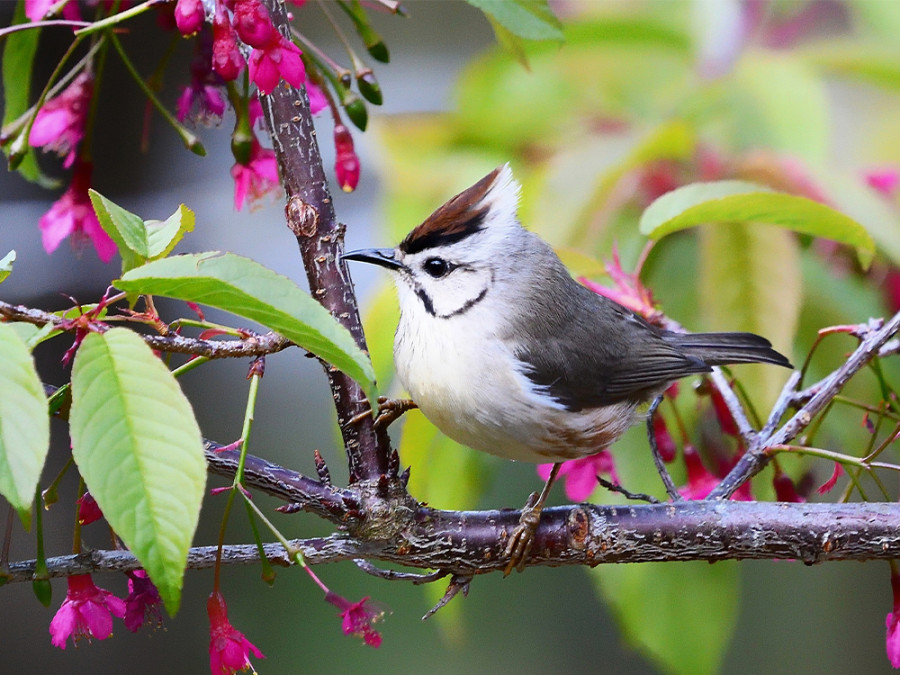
[{"x": 436, "y": 267}]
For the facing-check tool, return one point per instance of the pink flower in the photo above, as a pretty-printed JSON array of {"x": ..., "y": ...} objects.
[
  {"x": 189, "y": 16},
  {"x": 700, "y": 481},
  {"x": 785, "y": 490},
  {"x": 628, "y": 292},
  {"x": 72, "y": 214},
  {"x": 346, "y": 163},
  {"x": 229, "y": 650},
  {"x": 202, "y": 100},
  {"x": 252, "y": 23},
  {"x": 279, "y": 58},
  {"x": 829, "y": 484},
  {"x": 255, "y": 178},
  {"x": 59, "y": 124},
  {"x": 227, "y": 59},
  {"x": 886, "y": 181},
  {"x": 88, "y": 511},
  {"x": 892, "y": 639},
  {"x": 663, "y": 438},
  {"x": 86, "y": 612},
  {"x": 317, "y": 100},
  {"x": 36, "y": 10},
  {"x": 143, "y": 601},
  {"x": 581, "y": 474},
  {"x": 723, "y": 414},
  {"x": 358, "y": 617}
]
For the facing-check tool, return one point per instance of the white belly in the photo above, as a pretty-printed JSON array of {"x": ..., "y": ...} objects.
[{"x": 464, "y": 381}]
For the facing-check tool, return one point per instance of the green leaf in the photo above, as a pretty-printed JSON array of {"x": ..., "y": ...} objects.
[
  {"x": 680, "y": 614},
  {"x": 511, "y": 42},
  {"x": 433, "y": 458},
  {"x": 246, "y": 288},
  {"x": 18, "y": 65},
  {"x": 529, "y": 19},
  {"x": 876, "y": 65},
  {"x": 163, "y": 236},
  {"x": 779, "y": 103},
  {"x": 750, "y": 281},
  {"x": 124, "y": 228},
  {"x": 740, "y": 202},
  {"x": 138, "y": 447},
  {"x": 6, "y": 264},
  {"x": 24, "y": 424}
]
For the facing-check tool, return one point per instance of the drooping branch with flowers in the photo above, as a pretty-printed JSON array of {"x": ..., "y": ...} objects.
[{"x": 130, "y": 424}]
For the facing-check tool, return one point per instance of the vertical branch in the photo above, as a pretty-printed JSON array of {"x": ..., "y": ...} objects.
[{"x": 311, "y": 217}]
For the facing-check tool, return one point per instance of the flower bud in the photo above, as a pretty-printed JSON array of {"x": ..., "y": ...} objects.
[
  {"x": 368, "y": 86},
  {"x": 227, "y": 60},
  {"x": 346, "y": 163},
  {"x": 356, "y": 110},
  {"x": 189, "y": 16}
]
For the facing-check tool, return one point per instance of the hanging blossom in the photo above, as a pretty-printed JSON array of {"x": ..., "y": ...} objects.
[
  {"x": 88, "y": 510},
  {"x": 892, "y": 621},
  {"x": 86, "y": 612},
  {"x": 257, "y": 177},
  {"x": 202, "y": 99},
  {"x": 357, "y": 618},
  {"x": 36, "y": 10},
  {"x": 227, "y": 59},
  {"x": 189, "y": 16},
  {"x": 581, "y": 474},
  {"x": 59, "y": 124},
  {"x": 143, "y": 601},
  {"x": 346, "y": 163},
  {"x": 229, "y": 650},
  {"x": 72, "y": 214},
  {"x": 274, "y": 57}
]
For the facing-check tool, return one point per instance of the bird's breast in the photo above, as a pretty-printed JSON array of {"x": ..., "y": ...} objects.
[{"x": 469, "y": 384}]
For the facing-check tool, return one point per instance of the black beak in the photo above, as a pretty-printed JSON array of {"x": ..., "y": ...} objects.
[{"x": 383, "y": 257}]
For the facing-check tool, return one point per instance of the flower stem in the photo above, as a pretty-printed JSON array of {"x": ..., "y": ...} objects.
[
  {"x": 191, "y": 142},
  {"x": 118, "y": 18}
]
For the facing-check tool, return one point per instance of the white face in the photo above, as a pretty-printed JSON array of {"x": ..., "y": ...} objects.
[{"x": 446, "y": 281}]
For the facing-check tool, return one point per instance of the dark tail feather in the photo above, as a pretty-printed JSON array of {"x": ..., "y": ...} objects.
[{"x": 722, "y": 349}]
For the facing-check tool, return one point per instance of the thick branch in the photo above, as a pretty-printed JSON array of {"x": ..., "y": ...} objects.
[
  {"x": 466, "y": 543},
  {"x": 310, "y": 216}
]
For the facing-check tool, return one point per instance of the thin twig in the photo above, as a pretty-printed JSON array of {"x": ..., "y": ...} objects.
[{"x": 671, "y": 490}]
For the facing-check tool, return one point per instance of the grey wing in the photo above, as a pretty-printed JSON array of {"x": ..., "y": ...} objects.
[{"x": 588, "y": 351}]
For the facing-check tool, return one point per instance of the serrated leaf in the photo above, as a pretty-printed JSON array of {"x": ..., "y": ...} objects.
[
  {"x": 163, "y": 236},
  {"x": 511, "y": 42},
  {"x": 529, "y": 19},
  {"x": 680, "y": 614},
  {"x": 24, "y": 424},
  {"x": 124, "y": 228},
  {"x": 6, "y": 264},
  {"x": 139, "y": 449},
  {"x": 741, "y": 202},
  {"x": 246, "y": 288}
]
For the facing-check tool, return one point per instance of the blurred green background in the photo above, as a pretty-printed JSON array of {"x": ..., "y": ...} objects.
[{"x": 641, "y": 97}]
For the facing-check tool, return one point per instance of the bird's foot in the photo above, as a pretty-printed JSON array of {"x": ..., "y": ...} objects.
[
  {"x": 391, "y": 409},
  {"x": 520, "y": 541}
]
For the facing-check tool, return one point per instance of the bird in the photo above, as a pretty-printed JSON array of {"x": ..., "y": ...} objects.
[{"x": 503, "y": 351}]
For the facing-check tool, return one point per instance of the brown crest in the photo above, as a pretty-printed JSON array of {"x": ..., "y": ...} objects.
[{"x": 458, "y": 218}]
